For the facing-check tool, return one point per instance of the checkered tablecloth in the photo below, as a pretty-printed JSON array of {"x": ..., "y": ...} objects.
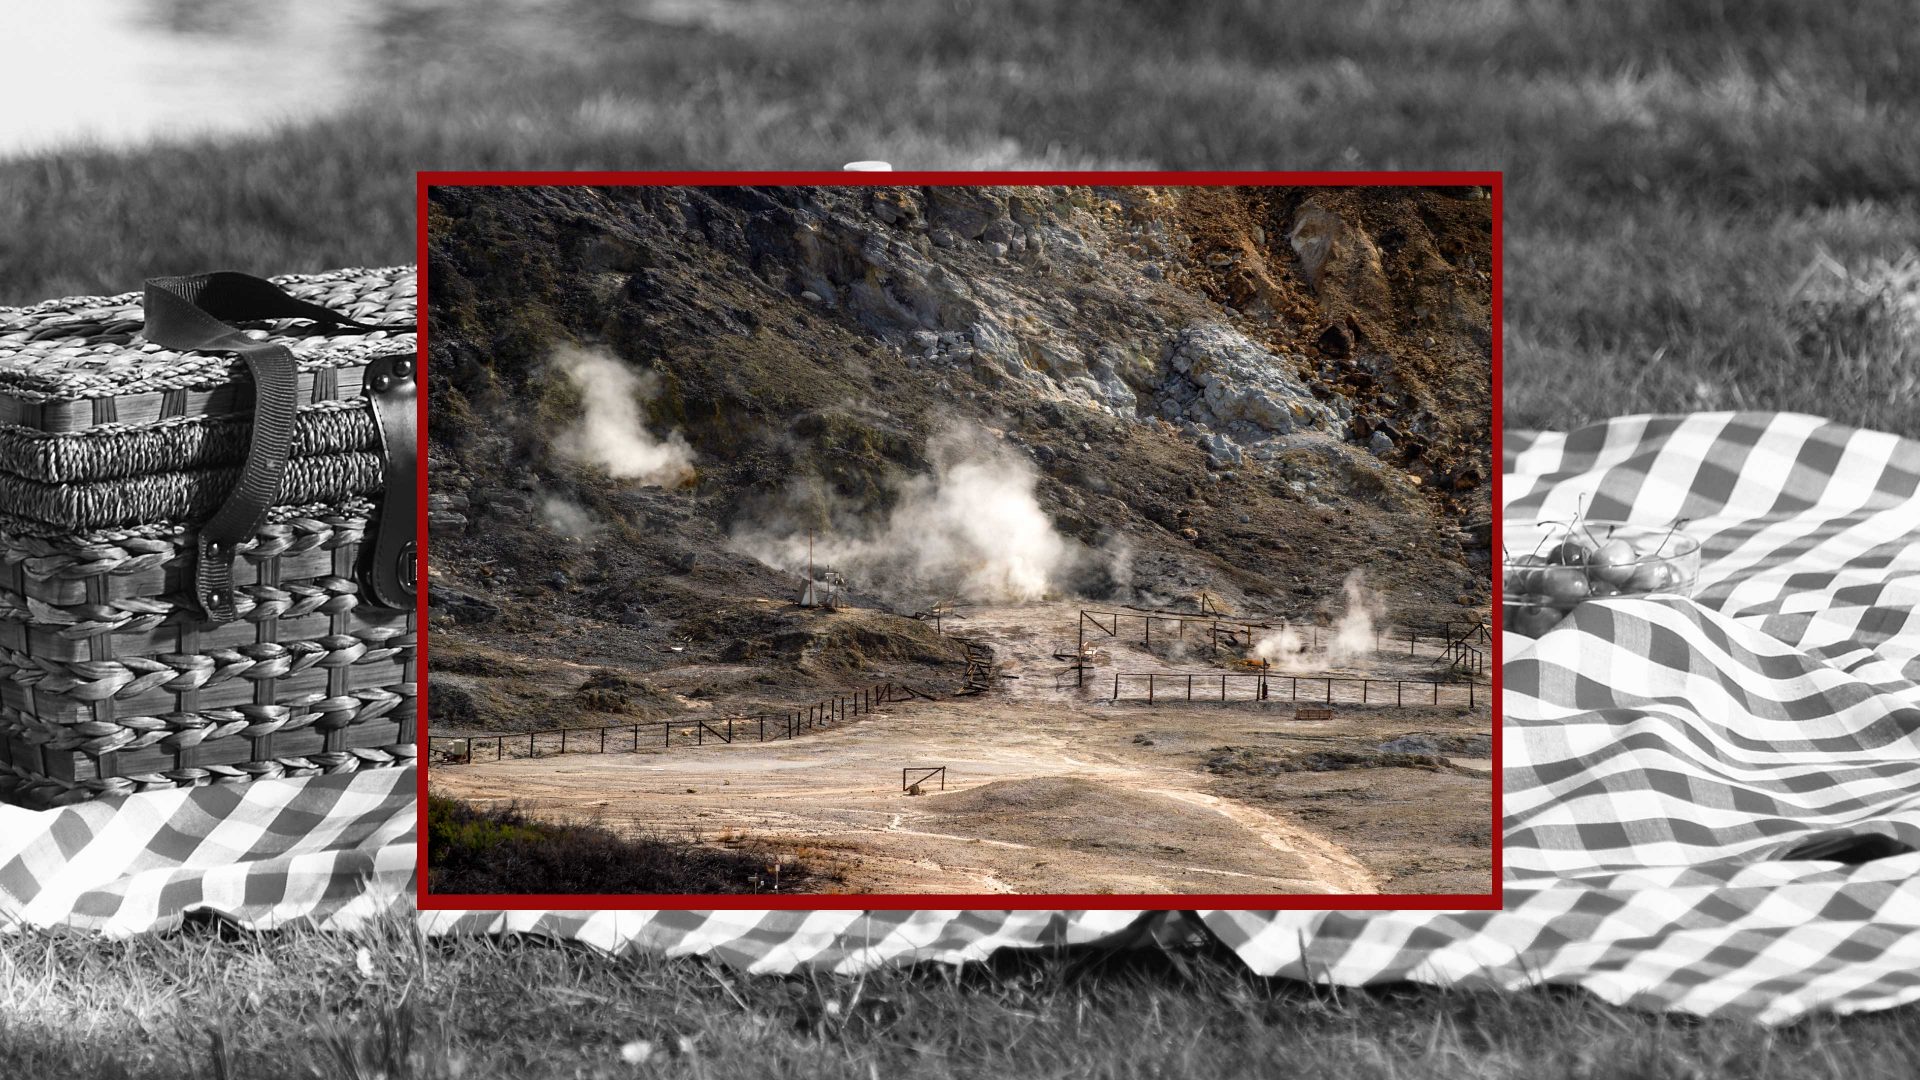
[
  {"x": 328, "y": 849},
  {"x": 1662, "y": 756}
]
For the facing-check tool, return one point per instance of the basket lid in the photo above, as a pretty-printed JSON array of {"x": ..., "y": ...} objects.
[{"x": 80, "y": 361}]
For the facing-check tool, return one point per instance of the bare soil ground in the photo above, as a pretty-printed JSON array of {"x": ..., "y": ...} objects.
[{"x": 1057, "y": 790}]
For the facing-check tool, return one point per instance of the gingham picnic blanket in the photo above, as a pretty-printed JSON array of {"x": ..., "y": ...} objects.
[
  {"x": 1661, "y": 757},
  {"x": 329, "y": 850}
]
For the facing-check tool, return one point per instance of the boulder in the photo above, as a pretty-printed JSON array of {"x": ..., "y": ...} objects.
[
  {"x": 1219, "y": 377},
  {"x": 964, "y": 212}
]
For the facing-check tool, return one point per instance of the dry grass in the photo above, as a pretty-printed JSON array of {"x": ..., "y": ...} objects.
[
  {"x": 208, "y": 1002},
  {"x": 1675, "y": 167},
  {"x": 1710, "y": 204},
  {"x": 502, "y": 850}
]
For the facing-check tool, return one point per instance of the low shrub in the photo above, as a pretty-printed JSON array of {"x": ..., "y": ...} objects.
[{"x": 473, "y": 850}]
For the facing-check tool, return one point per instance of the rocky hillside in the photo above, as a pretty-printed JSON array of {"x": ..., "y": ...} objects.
[{"x": 1243, "y": 393}]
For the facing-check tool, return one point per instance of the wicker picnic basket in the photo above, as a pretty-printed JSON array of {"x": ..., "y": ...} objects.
[{"x": 207, "y": 534}]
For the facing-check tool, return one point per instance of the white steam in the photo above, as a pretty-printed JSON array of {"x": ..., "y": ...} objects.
[
  {"x": 973, "y": 529},
  {"x": 569, "y": 518},
  {"x": 1285, "y": 649},
  {"x": 1352, "y": 636},
  {"x": 611, "y": 434}
]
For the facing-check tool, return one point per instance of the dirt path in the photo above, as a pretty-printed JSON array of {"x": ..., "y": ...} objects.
[{"x": 1047, "y": 789}]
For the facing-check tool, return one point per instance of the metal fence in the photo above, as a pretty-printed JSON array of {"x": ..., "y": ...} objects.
[
  {"x": 665, "y": 734},
  {"x": 1458, "y": 642},
  {"x": 1266, "y": 686}
]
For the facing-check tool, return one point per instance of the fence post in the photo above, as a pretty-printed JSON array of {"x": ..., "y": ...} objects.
[
  {"x": 729, "y": 729},
  {"x": 666, "y": 734},
  {"x": 1189, "y": 687},
  {"x": 1149, "y": 689},
  {"x": 469, "y": 751},
  {"x": 1436, "y": 692},
  {"x": 1116, "y": 686},
  {"x": 603, "y": 740},
  {"x": 500, "y": 748},
  {"x": 529, "y": 744},
  {"x": 1469, "y": 693},
  {"x": 1363, "y": 691},
  {"x": 1399, "y": 692},
  {"x": 1329, "y": 691},
  {"x": 1223, "y": 688},
  {"x": 636, "y": 738}
]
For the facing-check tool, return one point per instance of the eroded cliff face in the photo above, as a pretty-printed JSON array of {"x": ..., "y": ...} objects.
[{"x": 1242, "y": 392}]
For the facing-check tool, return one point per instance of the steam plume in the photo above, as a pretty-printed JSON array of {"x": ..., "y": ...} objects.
[
  {"x": 569, "y": 518},
  {"x": 1353, "y": 633},
  {"x": 1351, "y": 639},
  {"x": 973, "y": 528},
  {"x": 1285, "y": 649},
  {"x": 611, "y": 433}
]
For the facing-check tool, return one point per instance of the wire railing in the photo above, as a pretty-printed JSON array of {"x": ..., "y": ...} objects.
[
  {"x": 665, "y": 734},
  {"x": 1268, "y": 686}
]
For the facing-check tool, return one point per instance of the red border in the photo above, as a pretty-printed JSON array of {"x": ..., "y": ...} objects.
[{"x": 1487, "y": 901}]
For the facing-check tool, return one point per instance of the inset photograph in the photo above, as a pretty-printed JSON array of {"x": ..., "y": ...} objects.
[{"x": 1018, "y": 543}]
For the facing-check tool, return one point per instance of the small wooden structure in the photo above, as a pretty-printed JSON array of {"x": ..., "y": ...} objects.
[{"x": 921, "y": 774}]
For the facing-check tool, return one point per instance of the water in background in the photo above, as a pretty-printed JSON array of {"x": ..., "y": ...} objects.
[{"x": 122, "y": 71}]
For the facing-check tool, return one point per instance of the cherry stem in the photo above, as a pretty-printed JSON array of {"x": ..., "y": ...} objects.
[
  {"x": 1543, "y": 540},
  {"x": 1677, "y": 522}
]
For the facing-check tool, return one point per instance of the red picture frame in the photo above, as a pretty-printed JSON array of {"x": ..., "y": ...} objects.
[{"x": 1489, "y": 900}]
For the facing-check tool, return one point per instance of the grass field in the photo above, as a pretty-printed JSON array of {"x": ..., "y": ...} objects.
[
  {"x": 1709, "y": 204},
  {"x": 299, "y": 1004},
  {"x": 497, "y": 850}
]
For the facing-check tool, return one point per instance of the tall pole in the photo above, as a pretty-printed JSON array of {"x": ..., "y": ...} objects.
[{"x": 1080, "y": 654}]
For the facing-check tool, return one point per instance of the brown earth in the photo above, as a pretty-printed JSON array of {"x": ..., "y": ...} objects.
[
  {"x": 817, "y": 409},
  {"x": 1231, "y": 397},
  {"x": 1052, "y": 790}
]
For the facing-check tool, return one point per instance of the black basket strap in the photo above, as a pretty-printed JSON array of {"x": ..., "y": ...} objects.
[
  {"x": 189, "y": 313},
  {"x": 390, "y": 561}
]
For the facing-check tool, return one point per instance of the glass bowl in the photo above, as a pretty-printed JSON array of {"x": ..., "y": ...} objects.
[{"x": 1549, "y": 568}]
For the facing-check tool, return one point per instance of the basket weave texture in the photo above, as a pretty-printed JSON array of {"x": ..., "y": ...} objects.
[{"x": 112, "y": 452}]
